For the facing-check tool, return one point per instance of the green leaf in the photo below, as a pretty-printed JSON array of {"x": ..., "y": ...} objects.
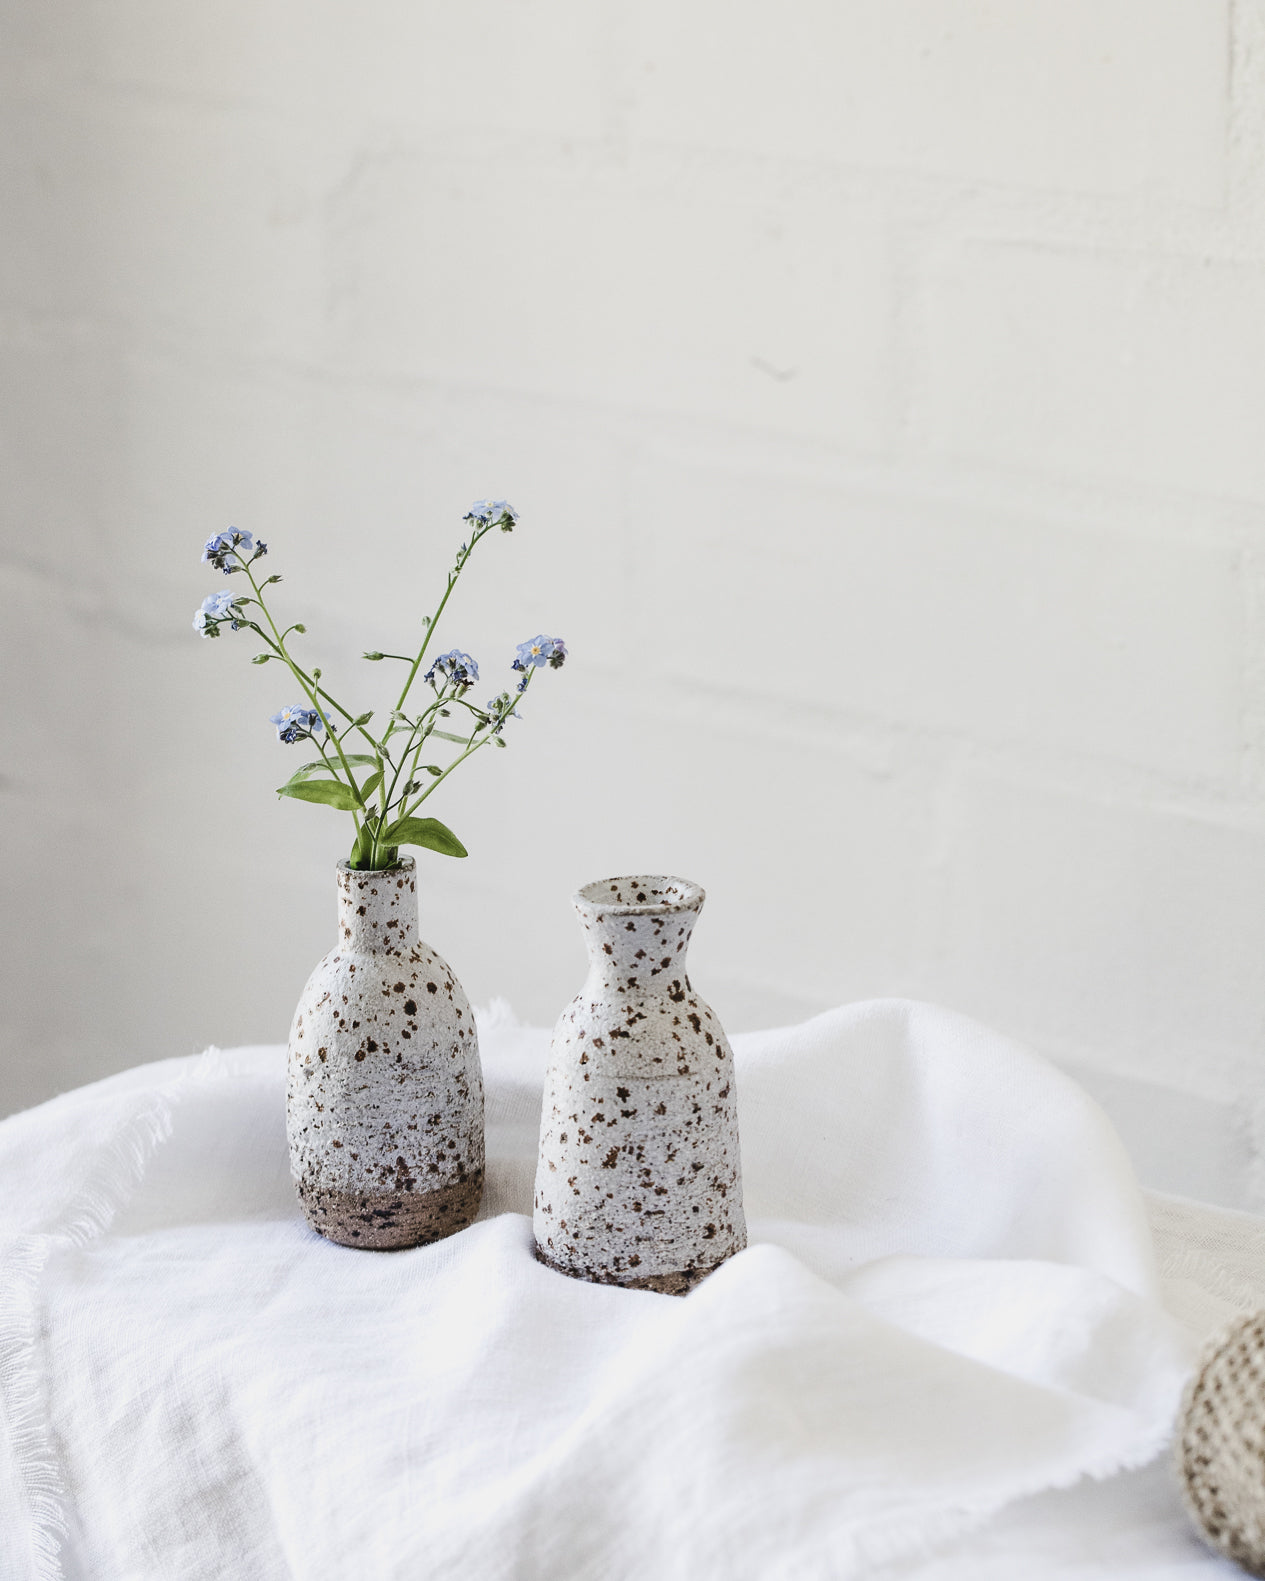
[
  {"x": 333, "y": 793},
  {"x": 360, "y": 848},
  {"x": 445, "y": 735},
  {"x": 356, "y": 759},
  {"x": 429, "y": 832},
  {"x": 371, "y": 785}
]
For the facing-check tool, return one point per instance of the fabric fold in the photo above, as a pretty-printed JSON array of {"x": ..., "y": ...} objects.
[{"x": 949, "y": 1304}]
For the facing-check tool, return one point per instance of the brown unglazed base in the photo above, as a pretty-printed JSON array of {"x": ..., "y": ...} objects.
[
  {"x": 679, "y": 1283},
  {"x": 391, "y": 1221}
]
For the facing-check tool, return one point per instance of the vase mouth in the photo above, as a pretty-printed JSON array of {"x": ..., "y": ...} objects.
[
  {"x": 640, "y": 895},
  {"x": 406, "y": 864}
]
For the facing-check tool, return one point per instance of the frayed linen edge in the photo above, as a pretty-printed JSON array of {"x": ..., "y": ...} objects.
[
  {"x": 890, "y": 1540},
  {"x": 41, "y": 1488},
  {"x": 119, "y": 1171},
  {"x": 1212, "y": 1278}
]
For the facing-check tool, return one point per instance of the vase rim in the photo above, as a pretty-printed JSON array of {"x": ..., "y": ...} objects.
[
  {"x": 406, "y": 864},
  {"x": 640, "y": 895}
]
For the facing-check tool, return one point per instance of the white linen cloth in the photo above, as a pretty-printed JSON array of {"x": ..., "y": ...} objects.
[{"x": 950, "y": 1302}]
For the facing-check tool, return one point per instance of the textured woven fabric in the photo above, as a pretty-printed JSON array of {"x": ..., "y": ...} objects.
[
  {"x": 950, "y": 1304},
  {"x": 1221, "y": 1447}
]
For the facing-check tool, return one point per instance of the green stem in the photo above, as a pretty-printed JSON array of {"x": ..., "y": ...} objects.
[
  {"x": 308, "y": 685},
  {"x": 305, "y": 680},
  {"x": 320, "y": 747},
  {"x": 472, "y": 748},
  {"x": 424, "y": 724},
  {"x": 456, "y": 571}
]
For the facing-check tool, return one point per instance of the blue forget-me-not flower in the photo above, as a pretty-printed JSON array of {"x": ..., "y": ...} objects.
[
  {"x": 457, "y": 667},
  {"x": 499, "y": 710},
  {"x": 540, "y": 650},
  {"x": 484, "y": 513},
  {"x": 219, "y": 550},
  {"x": 295, "y": 723},
  {"x": 217, "y": 607}
]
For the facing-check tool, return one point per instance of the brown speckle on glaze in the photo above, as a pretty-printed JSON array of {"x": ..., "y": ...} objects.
[
  {"x": 385, "y": 1131},
  {"x": 645, "y": 1137},
  {"x": 393, "y": 1221}
]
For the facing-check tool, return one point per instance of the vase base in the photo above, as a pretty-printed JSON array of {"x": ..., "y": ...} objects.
[
  {"x": 678, "y": 1283},
  {"x": 392, "y": 1221}
]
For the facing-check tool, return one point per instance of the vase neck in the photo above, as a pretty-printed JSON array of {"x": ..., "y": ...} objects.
[
  {"x": 377, "y": 912},
  {"x": 638, "y": 931}
]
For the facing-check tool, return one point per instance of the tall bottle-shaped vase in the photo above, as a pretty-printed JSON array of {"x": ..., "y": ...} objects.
[
  {"x": 384, "y": 1099},
  {"x": 638, "y": 1181}
]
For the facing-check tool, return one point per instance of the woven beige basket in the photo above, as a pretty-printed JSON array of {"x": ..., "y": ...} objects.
[{"x": 1220, "y": 1448}]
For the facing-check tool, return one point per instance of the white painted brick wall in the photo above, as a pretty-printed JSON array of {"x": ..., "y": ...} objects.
[
  {"x": 1144, "y": 368},
  {"x": 968, "y": 621},
  {"x": 1112, "y": 96},
  {"x": 670, "y": 301},
  {"x": 1098, "y": 922},
  {"x": 883, "y": 388}
]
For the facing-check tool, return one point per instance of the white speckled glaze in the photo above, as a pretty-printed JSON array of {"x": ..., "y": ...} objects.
[
  {"x": 638, "y": 1180},
  {"x": 384, "y": 1101}
]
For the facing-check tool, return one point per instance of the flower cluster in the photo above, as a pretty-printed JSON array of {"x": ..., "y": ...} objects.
[
  {"x": 296, "y": 724},
  {"x": 540, "y": 650},
  {"x": 217, "y": 609},
  {"x": 492, "y": 513},
  {"x": 386, "y": 780},
  {"x": 227, "y": 547},
  {"x": 456, "y": 668},
  {"x": 499, "y": 709}
]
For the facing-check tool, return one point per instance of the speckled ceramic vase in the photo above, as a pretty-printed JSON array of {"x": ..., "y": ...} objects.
[
  {"x": 384, "y": 1101},
  {"x": 638, "y": 1181}
]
